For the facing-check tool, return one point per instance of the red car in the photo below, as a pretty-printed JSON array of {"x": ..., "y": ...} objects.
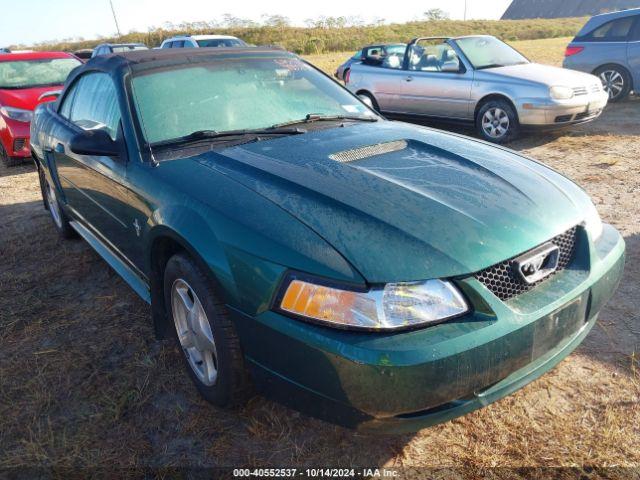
[{"x": 24, "y": 78}]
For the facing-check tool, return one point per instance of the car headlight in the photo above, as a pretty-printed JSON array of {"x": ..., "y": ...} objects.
[
  {"x": 392, "y": 307},
  {"x": 561, "y": 93},
  {"x": 17, "y": 114},
  {"x": 593, "y": 223}
]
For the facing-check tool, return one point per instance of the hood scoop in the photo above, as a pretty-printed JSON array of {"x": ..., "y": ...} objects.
[{"x": 368, "y": 151}]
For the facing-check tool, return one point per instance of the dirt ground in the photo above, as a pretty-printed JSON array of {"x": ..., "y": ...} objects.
[{"x": 84, "y": 383}]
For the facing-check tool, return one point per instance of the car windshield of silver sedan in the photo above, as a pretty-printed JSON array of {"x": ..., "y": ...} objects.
[
  {"x": 35, "y": 73},
  {"x": 489, "y": 52},
  {"x": 242, "y": 95}
]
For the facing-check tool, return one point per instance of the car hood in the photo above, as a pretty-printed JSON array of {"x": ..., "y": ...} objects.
[
  {"x": 421, "y": 204},
  {"x": 545, "y": 74},
  {"x": 25, "y": 98}
]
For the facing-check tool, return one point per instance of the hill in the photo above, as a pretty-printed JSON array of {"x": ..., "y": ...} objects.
[{"x": 322, "y": 40}]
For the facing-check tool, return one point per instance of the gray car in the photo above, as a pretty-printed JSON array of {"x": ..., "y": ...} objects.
[
  {"x": 609, "y": 46},
  {"x": 479, "y": 80}
]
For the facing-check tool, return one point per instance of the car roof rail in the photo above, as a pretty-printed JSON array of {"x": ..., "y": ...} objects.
[{"x": 419, "y": 39}]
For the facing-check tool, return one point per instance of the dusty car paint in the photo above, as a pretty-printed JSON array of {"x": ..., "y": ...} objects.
[{"x": 444, "y": 206}]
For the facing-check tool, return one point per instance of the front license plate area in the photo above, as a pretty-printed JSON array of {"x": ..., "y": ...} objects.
[{"x": 559, "y": 326}]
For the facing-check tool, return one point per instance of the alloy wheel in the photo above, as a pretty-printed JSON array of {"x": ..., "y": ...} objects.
[
  {"x": 613, "y": 83},
  {"x": 54, "y": 208},
  {"x": 194, "y": 332},
  {"x": 495, "y": 122}
]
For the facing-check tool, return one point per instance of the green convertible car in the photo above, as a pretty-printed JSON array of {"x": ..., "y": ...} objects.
[{"x": 375, "y": 274}]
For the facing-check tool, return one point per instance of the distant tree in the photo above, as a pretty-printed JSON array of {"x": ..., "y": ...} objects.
[
  {"x": 278, "y": 21},
  {"x": 436, "y": 14},
  {"x": 230, "y": 21}
]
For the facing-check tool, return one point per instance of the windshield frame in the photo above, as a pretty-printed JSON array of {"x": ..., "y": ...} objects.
[
  {"x": 456, "y": 41},
  {"x": 39, "y": 60},
  {"x": 147, "y": 148}
]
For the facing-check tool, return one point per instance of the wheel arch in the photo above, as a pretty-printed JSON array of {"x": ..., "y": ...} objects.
[
  {"x": 364, "y": 91},
  {"x": 164, "y": 244},
  {"x": 493, "y": 96},
  {"x": 618, "y": 65}
]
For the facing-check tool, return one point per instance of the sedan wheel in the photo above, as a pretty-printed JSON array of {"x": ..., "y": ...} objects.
[
  {"x": 495, "y": 123},
  {"x": 194, "y": 332}
]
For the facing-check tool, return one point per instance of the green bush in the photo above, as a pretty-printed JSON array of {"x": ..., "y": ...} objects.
[{"x": 323, "y": 40}]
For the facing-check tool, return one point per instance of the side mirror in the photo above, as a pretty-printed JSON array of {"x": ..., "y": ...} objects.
[
  {"x": 94, "y": 142},
  {"x": 451, "y": 66}
]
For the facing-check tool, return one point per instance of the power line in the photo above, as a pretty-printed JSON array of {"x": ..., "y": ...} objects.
[{"x": 115, "y": 19}]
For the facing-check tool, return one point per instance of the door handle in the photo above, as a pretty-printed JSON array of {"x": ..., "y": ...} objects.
[
  {"x": 59, "y": 148},
  {"x": 409, "y": 79}
]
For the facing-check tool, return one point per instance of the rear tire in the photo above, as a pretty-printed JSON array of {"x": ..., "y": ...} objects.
[
  {"x": 60, "y": 219},
  {"x": 368, "y": 99},
  {"x": 615, "y": 80},
  {"x": 497, "y": 121},
  {"x": 205, "y": 333}
]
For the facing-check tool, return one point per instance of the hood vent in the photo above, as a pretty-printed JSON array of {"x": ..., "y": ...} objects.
[{"x": 368, "y": 151}]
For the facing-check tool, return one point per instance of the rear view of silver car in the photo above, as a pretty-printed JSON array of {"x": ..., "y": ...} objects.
[
  {"x": 609, "y": 46},
  {"x": 479, "y": 80}
]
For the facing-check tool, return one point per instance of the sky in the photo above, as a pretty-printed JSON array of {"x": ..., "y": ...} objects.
[{"x": 29, "y": 21}]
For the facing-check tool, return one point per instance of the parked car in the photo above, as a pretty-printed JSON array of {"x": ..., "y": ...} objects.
[
  {"x": 609, "y": 46},
  {"x": 84, "y": 54},
  {"x": 369, "y": 53},
  {"x": 109, "y": 48},
  {"x": 478, "y": 80},
  {"x": 25, "y": 80},
  {"x": 373, "y": 273},
  {"x": 4, "y": 50},
  {"x": 202, "y": 41}
]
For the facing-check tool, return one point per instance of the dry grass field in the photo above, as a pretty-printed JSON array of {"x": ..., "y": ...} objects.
[{"x": 83, "y": 383}]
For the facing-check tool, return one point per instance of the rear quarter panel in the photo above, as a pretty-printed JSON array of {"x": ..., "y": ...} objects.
[{"x": 597, "y": 54}]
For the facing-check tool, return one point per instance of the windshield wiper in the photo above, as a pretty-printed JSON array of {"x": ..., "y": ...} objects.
[
  {"x": 316, "y": 117},
  {"x": 228, "y": 135}
]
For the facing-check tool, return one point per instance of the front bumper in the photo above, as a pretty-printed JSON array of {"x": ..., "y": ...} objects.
[
  {"x": 405, "y": 381},
  {"x": 552, "y": 113},
  {"x": 15, "y": 137}
]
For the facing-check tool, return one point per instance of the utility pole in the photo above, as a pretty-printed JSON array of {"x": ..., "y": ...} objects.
[
  {"x": 465, "y": 10},
  {"x": 115, "y": 19}
]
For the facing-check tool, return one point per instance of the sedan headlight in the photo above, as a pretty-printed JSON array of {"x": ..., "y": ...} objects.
[
  {"x": 593, "y": 223},
  {"x": 561, "y": 93},
  {"x": 17, "y": 114},
  {"x": 392, "y": 307}
]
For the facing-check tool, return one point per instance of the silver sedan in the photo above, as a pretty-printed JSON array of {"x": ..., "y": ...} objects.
[{"x": 480, "y": 80}]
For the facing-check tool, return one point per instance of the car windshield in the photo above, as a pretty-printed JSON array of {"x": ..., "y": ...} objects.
[
  {"x": 489, "y": 52},
  {"x": 245, "y": 93},
  {"x": 36, "y": 73},
  {"x": 220, "y": 42}
]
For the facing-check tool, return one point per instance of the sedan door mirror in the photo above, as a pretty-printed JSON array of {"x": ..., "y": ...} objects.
[
  {"x": 95, "y": 142},
  {"x": 451, "y": 66}
]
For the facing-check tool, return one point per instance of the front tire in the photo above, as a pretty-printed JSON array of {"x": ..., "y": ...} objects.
[
  {"x": 615, "y": 80},
  {"x": 205, "y": 334},
  {"x": 497, "y": 121},
  {"x": 8, "y": 161}
]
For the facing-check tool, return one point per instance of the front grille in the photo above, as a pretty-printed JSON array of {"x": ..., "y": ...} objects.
[
  {"x": 503, "y": 281},
  {"x": 579, "y": 91},
  {"x": 18, "y": 144},
  {"x": 596, "y": 88},
  {"x": 584, "y": 115},
  {"x": 563, "y": 118}
]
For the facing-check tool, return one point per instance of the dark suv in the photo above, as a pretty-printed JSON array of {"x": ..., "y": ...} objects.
[{"x": 609, "y": 46}]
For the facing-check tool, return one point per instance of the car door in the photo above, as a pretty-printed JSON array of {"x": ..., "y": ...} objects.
[
  {"x": 633, "y": 53},
  {"x": 95, "y": 186},
  {"x": 436, "y": 82}
]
